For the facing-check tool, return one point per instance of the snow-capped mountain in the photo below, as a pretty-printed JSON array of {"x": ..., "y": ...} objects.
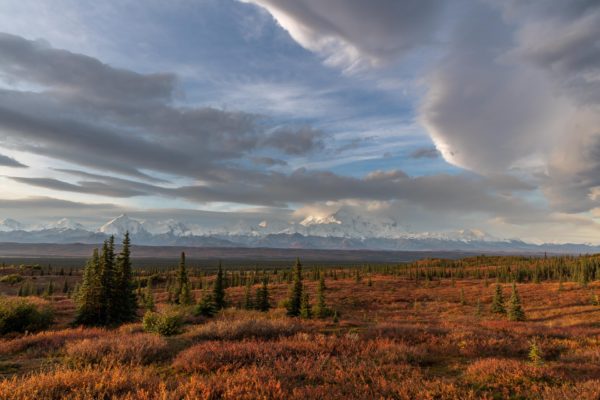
[
  {"x": 344, "y": 229},
  {"x": 122, "y": 224},
  {"x": 170, "y": 226},
  {"x": 344, "y": 223},
  {"x": 65, "y": 224},
  {"x": 9, "y": 225}
]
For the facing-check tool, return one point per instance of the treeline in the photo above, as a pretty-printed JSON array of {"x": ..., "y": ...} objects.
[{"x": 581, "y": 269}]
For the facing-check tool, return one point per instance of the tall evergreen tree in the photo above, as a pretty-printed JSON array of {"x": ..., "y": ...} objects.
[
  {"x": 219, "y": 289},
  {"x": 108, "y": 288},
  {"x": 515, "y": 310},
  {"x": 88, "y": 294},
  {"x": 262, "y": 297},
  {"x": 248, "y": 301},
  {"x": 125, "y": 309},
  {"x": 182, "y": 294},
  {"x": 305, "y": 308},
  {"x": 295, "y": 296},
  {"x": 149, "y": 297},
  {"x": 498, "y": 301},
  {"x": 321, "y": 310}
]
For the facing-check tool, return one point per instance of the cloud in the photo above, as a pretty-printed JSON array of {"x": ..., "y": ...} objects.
[
  {"x": 425, "y": 152},
  {"x": 518, "y": 90},
  {"x": 442, "y": 192},
  {"x": 351, "y": 33},
  {"x": 6, "y": 161},
  {"x": 296, "y": 141},
  {"x": 91, "y": 114},
  {"x": 268, "y": 161}
]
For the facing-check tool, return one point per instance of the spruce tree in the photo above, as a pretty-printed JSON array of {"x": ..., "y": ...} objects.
[
  {"x": 65, "y": 289},
  {"x": 535, "y": 353},
  {"x": 305, "y": 308},
  {"x": 321, "y": 310},
  {"x": 498, "y": 301},
  {"x": 125, "y": 309},
  {"x": 515, "y": 311},
  {"x": 262, "y": 297},
  {"x": 182, "y": 293},
  {"x": 295, "y": 296},
  {"x": 248, "y": 301},
  {"x": 206, "y": 305},
  {"x": 88, "y": 294},
  {"x": 219, "y": 289},
  {"x": 149, "y": 297},
  {"x": 108, "y": 282}
]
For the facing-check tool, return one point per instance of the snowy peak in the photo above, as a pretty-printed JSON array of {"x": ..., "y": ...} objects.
[
  {"x": 122, "y": 224},
  {"x": 66, "y": 224},
  {"x": 170, "y": 226},
  {"x": 314, "y": 220},
  {"x": 345, "y": 223},
  {"x": 9, "y": 225}
]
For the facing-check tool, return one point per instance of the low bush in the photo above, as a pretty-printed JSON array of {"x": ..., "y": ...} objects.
[
  {"x": 47, "y": 342},
  {"x": 167, "y": 324},
  {"x": 21, "y": 315},
  {"x": 136, "y": 349},
  {"x": 12, "y": 279},
  {"x": 244, "y": 329}
]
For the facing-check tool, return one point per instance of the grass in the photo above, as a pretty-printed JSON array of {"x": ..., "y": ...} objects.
[{"x": 395, "y": 339}]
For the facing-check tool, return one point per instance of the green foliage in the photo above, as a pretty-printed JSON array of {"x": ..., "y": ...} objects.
[
  {"x": 206, "y": 306},
  {"x": 148, "y": 299},
  {"x": 295, "y": 297},
  {"x": 262, "y": 297},
  {"x": 248, "y": 301},
  {"x": 105, "y": 296},
  {"x": 20, "y": 315},
  {"x": 515, "y": 311},
  {"x": 12, "y": 279},
  {"x": 125, "y": 301},
  {"x": 49, "y": 289},
  {"x": 182, "y": 294},
  {"x": 321, "y": 309},
  {"x": 535, "y": 353},
  {"x": 305, "y": 308},
  {"x": 219, "y": 290},
  {"x": 167, "y": 324},
  {"x": 498, "y": 301}
]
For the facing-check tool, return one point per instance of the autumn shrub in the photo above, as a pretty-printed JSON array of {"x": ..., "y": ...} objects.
[
  {"x": 243, "y": 329},
  {"x": 21, "y": 315},
  {"x": 167, "y": 324},
  {"x": 48, "y": 342},
  {"x": 83, "y": 384},
  {"x": 510, "y": 377},
  {"x": 138, "y": 349}
]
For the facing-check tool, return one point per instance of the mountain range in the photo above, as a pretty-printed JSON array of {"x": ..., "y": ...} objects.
[{"x": 342, "y": 230}]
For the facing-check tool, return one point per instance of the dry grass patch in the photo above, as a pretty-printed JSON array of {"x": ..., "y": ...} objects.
[{"x": 136, "y": 349}]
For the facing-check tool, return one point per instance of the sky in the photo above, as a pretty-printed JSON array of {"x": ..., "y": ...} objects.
[{"x": 479, "y": 114}]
